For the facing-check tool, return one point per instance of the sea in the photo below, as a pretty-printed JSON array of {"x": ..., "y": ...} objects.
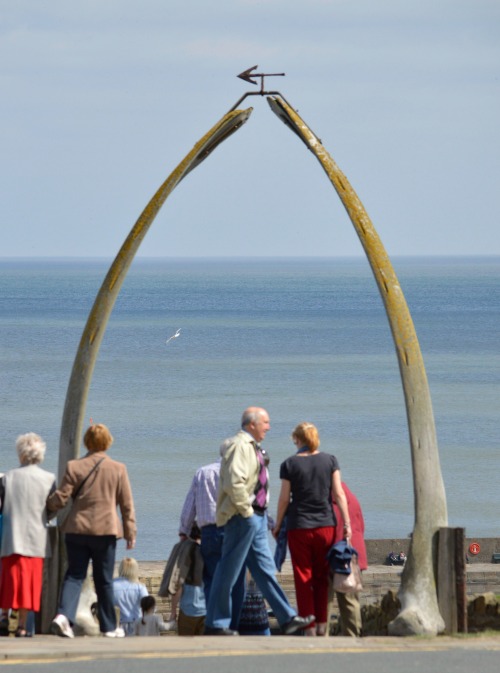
[{"x": 308, "y": 339}]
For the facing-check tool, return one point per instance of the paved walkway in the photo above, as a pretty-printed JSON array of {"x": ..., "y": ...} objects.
[
  {"x": 51, "y": 648},
  {"x": 46, "y": 648}
]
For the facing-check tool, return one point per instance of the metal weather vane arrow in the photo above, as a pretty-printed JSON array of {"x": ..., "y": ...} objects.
[{"x": 248, "y": 75}]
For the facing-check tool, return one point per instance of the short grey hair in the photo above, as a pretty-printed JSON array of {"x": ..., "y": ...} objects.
[
  {"x": 30, "y": 448},
  {"x": 251, "y": 416}
]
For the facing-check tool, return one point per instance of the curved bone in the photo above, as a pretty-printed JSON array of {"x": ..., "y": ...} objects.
[
  {"x": 83, "y": 366},
  {"x": 420, "y": 612}
]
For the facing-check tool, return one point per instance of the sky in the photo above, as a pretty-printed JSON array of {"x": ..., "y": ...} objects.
[{"x": 101, "y": 100}]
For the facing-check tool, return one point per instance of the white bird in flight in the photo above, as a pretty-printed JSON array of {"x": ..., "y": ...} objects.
[{"x": 174, "y": 336}]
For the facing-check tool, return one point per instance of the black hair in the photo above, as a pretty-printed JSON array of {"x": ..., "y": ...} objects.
[
  {"x": 195, "y": 533},
  {"x": 147, "y": 602}
]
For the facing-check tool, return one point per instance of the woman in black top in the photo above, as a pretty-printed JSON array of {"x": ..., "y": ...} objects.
[{"x": 309, "y": 478}]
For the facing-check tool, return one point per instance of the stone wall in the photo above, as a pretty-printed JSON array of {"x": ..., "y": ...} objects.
[
  {"x": 379, "y": 597},
  {"x": 483, "y": 613},
  {"x": 379, "y": 549},
  {"x": 381, "y": 584}
]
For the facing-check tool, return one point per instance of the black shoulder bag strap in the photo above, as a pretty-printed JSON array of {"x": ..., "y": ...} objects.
[{"x": 80, "y": 485}]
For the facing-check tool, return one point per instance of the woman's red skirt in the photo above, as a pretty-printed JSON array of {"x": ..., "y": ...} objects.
[{"x": 21, "y": 582}]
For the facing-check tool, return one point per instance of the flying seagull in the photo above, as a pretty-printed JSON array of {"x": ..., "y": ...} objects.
[{"x": 174, "y": 336}]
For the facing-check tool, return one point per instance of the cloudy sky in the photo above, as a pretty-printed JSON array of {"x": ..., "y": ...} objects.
[{"x": 101, "y": 99}]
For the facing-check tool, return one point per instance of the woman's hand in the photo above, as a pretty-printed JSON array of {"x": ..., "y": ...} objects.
[
  {"x": 283, "y": 502},
  {"x": 131, "y": 543}
]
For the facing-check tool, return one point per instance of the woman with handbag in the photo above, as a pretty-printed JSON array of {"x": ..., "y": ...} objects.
[
  {"x": 349, "y": 605},
  {"x": 98, "y": 485},
  {"x": 309, "y": 480},
  {"x": 25, "y": 543}
]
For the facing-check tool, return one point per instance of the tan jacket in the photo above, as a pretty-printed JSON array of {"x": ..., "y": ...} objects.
[
  {"x": 239, "y": 472},
  {"x": 94, "y": 510}
]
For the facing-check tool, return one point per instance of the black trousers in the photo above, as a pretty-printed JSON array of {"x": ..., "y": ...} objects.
[{"x": 81, "y": 549}]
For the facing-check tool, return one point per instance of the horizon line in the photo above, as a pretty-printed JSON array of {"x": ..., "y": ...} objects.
[{"x": 62, "y": 258}]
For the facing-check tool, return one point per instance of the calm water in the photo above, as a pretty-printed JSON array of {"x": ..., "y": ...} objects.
[{"x": 307, "y": 339}]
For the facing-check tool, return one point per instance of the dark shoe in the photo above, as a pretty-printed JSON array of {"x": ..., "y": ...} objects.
[
  {"x": 22, "y": 633},
  {"x": 4, "y": 626},
  {"x": 212, "y": 631},
  {"x": 297, "y": 624}
]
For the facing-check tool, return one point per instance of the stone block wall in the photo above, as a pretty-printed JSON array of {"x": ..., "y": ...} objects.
[{"x": 379, "y": 549}]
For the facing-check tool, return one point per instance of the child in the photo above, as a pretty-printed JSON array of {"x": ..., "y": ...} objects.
[
  {"x": 151, "y": 624},
  {"x": 128, "y": 594},
  {"x": 192, "y": 611}
]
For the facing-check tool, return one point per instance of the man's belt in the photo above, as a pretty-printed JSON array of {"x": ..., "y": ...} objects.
[{"x": 259, "y": 510}]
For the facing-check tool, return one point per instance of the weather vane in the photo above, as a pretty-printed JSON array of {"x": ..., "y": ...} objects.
[{"x": 248, "y": 76}]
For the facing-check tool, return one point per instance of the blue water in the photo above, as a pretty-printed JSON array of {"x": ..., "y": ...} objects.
[{"x": 307, "y": 339}]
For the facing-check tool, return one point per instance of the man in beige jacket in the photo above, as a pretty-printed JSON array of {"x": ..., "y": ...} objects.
[
  {"x": 242, "y": 510},
  {"x": 98, "y": 485}
]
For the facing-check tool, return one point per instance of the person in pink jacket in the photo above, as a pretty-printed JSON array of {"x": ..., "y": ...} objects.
[{"x": 349, "y": 606}]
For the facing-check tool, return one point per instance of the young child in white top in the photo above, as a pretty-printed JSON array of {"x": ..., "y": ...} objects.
[{"x": 151, "y": 624}]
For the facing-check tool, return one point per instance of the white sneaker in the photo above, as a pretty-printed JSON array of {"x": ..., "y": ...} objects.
[
  {"x": 60, "y": 627},
  {"x": 117, "y": 633}
]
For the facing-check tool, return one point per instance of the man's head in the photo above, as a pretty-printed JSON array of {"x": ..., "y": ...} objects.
[{"x": 255, "y": 421}]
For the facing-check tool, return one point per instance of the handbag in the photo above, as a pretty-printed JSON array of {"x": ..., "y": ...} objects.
[
  {"x": 254, "y": 615},
  {"x": 351, "y": 583}
]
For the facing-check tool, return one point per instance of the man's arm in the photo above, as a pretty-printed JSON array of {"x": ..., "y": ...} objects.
[
  {"x": 240, "y": 467},
  {"x": 188, "y": 514}
]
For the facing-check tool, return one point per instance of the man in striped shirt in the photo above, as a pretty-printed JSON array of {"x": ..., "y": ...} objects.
[{"x": 200, "y": 506}]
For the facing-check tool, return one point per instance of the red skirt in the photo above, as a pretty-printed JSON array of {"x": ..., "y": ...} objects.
[{"x": 21, "y": 582}]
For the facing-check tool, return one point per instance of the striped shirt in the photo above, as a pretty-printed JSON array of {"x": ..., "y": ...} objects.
[{"x": 201, "y": 500}]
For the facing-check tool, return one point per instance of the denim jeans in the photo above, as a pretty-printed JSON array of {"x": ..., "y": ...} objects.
[
  {"x": 80, "y": 550},
  {"x": 245, "y": 542},
  {"x": 212, "y": 538}
]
